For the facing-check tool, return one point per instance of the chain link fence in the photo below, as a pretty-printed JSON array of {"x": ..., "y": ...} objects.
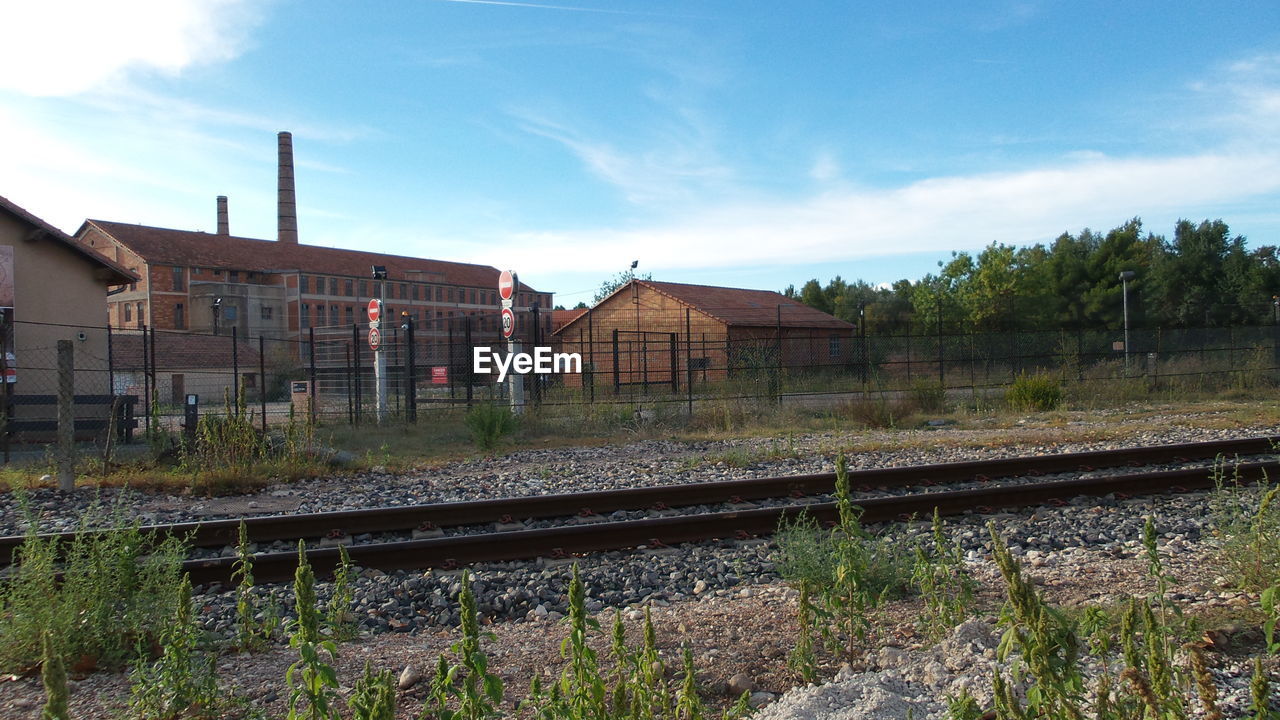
[{"x": 126, "y": 381}]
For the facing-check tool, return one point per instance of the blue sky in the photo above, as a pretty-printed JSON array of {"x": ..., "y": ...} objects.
[{"x": 746, "y": 143}]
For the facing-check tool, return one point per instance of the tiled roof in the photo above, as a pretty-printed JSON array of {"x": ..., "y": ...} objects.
[
  {"x": 560, "y": 318},
  {"x": 200, "y": 249},
  {"x": 117, "y": 275},
  {"x": 739, "y": 307},
  {"x": 180, "y": 351}
]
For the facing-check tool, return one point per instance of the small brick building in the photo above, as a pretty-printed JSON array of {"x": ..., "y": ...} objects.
[{"x": 654, "y": 333}]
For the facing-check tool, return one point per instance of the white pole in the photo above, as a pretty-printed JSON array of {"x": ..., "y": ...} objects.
[{"x": 380, "y": 360}]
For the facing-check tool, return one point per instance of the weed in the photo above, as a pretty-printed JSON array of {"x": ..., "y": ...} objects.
[
  {"x": 340, "y": 621},
  {"x": 929, "y": 396},
  {"x": 182, "y": 683},
  {"x": 1246, "y": 523},
  {"x": 117, "y": 587},
  {"x": 1034, "y": 392},
  {"x": 314, "y": 694},
  {"x": 489, "y": 423},
  {"x": 374, "y": 696},
  {"x": 802, "y": 659},
  {"x": 53, "y": 675},
  {"x": 250, "y": 633},
  {"x": 943, "y": 582},
  {"x": 480, "y": 690}
]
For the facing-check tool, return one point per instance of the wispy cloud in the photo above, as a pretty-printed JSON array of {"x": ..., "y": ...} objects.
[{"x": 67, "y": 48}]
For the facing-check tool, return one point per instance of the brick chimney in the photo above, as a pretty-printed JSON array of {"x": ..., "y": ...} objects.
[
  {"x": 224, "y": 227},
  {"x": 286, "y": 202}
]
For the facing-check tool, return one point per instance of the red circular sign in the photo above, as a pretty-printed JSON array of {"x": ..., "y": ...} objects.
[
  {"x": 508, "y": 323},
  {"x": 375, "y": 338},
  {"x": 375, "y": 310},
  {"x": 506, "y": 284}
]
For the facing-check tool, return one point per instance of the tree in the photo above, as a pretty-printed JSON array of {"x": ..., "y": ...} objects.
[{"x": 608, "y": 287}]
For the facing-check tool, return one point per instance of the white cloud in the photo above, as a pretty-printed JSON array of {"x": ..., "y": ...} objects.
[
  {"x": 932, "y": 215},
  {"x": 74, "y": 46}
]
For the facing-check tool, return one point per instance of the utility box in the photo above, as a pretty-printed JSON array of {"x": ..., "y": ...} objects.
[{"x": 300, "y": 395}]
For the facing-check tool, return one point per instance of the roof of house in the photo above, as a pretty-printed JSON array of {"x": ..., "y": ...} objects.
[
  {"x": 184, "y": 351},
  {"x": 560, "y": 318},
  {"x": 114, "y": 274},
  {"x": 201, "y": 249},
  {"x": 738, "y": 307}
]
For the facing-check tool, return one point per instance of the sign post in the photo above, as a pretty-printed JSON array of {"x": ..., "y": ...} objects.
[
  {"x": 508, "y": 282},
  {"x": 379, "y": 359}
]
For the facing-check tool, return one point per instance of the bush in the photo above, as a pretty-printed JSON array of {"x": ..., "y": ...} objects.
[
  {"x": 1246, "y": 523},
  {"x": 929, "y": 396},
  {"x": 489, "y": 423},
  {"x": 1034, "y": 392}
]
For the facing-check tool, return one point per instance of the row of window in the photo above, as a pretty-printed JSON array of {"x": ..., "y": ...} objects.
[
  {"x": 348, "y": 287},
  {"x": 320, "y": 315}
]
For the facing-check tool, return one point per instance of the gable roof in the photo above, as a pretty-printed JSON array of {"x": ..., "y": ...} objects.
[
  {"x": 112, "y": 273},
  {"x": 738, "y": 307},
  {"x": 201, "y": 249},
  {"x": 560, "y": 318}
]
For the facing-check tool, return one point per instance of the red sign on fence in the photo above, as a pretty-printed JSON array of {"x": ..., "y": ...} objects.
[{"x": 440, "y": 375}]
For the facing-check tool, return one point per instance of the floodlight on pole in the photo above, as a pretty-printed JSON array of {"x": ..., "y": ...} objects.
[{"x": 1125, "y": 277}]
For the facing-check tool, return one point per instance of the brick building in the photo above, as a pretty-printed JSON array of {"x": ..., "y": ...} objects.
[
  {"x": 213, "y": 282},
  {"x": 645, "y": 332}
]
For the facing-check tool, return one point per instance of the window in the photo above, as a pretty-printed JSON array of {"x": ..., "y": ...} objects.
[
  {"x": 320, "y": 315},
  {"x": 450, "y": 295},
  {"x": 128, "y": 312},
  {"x": 833, "y": 347},
  {"x": 416, "y": 290},
  {"x": 233, "y": 276},
  {"x": 439, "y": 294},
  {"x": 304, "y": 284},
  {"x": 333, "y": 314},
  {"x": 404, "y": 291},
  {"x": 141, "y": 319},
  {"x": 364, "y": 288},
  {"x": 179, "y": 280},
  {"x": 304, "y": 316},
  {"x": 268, "y": 312},
  {"x": 351, "y": 315},
  {"x": 179, "y": 317},
  {"x": 348, "y": 287},
  {"x": 333, "y": 289},
  {"x": 472, "y": 294}
]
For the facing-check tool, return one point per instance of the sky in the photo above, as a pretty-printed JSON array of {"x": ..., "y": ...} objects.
[{"x": 746, "y": 143}]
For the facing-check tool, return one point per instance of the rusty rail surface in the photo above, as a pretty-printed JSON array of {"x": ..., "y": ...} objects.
[
  {"x": 556, "y": 542},
  {"x": 217, "y": 533}
]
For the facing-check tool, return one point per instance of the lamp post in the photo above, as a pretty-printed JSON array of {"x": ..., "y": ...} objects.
[
  {"x": 217, "y": 312},
  {"x": 862, "y": 341},
  {"x": 1125, "y": 277}
]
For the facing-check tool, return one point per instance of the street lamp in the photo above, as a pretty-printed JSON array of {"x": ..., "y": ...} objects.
[
  {"x": 217, "y": 312},
  {"x": 1125, "y": 277}
]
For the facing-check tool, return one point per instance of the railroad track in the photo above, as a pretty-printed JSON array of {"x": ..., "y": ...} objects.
[{"x": 562, "y": 541}]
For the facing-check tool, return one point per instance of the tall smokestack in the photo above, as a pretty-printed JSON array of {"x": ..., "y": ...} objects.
[
  {"x": 224, "y": 227},
  {"x": 286, "y": 203}
]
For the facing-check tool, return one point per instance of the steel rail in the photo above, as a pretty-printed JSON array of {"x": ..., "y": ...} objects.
[
  {"x": 556, "y": 542},
  {"x": 215, "y": 533}
]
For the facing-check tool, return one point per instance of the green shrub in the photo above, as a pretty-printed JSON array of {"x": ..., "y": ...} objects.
[
  {"x": 929, "y": 396},
  {"x": 118, "y": 588},
  {"x": 489, "y": 423},
  {"x": 1034, "y": 392},
  {"x": 1246, "y": 523}
]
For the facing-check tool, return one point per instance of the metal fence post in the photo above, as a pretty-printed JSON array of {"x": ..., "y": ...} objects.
[
  {"x": 591, "y": 354},
  {"x": 357, "y": 394},
  {"x": 146, "y": 378},
  {"x": 617, "y": 380},
  {"x": 235, "y": 366},
  {"x": 536, "y": 332},
  {"x": 66, "y": 417},
  {"x": 688, "y": 358},
  {"x": 351, "y": 416},
  {"x": 411, "y": 385},
  {"x": 311, "y": 352},
  {"x": 466, "y": 330},
  {"x": 262, "y": 379}
]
